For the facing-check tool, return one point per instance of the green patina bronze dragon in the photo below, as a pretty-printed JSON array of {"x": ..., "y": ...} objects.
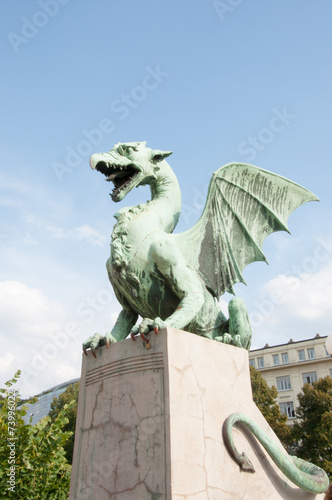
[{"x": 174, "y": 280}]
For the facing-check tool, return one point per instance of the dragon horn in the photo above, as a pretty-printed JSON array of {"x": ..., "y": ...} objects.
[{"x": 157, "y": 156}]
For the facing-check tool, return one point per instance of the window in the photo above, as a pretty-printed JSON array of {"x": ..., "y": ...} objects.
[
  {"x": 309, "y": 377},
  {"x": 311, "y": 353},
  {"x": 275, "y": 359},
  {"x": 252, "y": 362},
  {"x": 283, "y": 383},
  {"x": 287, "y": 409},
  {"x": 301, "y": 353},
  {"x": 260, "y": 362},
  {"x": 284, "y": 357}
]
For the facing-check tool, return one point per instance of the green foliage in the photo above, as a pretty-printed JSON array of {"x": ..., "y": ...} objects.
[
  {"x": 34, "y": 455},
  {"x": 312, "y": 435},
  {"x": 265, "y": 399},
  {"x": 69, "y": 396}
]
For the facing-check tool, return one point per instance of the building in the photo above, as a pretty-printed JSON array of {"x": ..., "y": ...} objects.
[
  {"x": 289, "y": 366},
  {"x": 41, "y": 408}
]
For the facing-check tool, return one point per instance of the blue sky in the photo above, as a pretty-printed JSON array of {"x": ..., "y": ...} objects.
[{"x": 213, "y": 82}]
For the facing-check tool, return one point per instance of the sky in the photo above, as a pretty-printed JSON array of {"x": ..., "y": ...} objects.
[{"x": 212, "y": 81}]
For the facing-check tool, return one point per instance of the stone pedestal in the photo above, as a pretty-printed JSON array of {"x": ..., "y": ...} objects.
[{"x": 149, "y": 424}]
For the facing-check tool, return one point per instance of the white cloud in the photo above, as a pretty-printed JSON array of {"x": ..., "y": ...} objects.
[
  {"x": 7, "y": 363},
  {"x": 29, "y": 239},
  {"x": 88, "y": 234},
  {"x": 58, "y": 370},
  {"x": 28, "y": 319},
  {"x": 308, "y": 296},
  {"x": 56, "y": 232},
  {"x": 32, "y": 219},
  {"x": 27, "y": 311},
  {"x": 84, "y": 233},
  {"x": 41, "y": 338},
  {"x": 295, "y": 307}
]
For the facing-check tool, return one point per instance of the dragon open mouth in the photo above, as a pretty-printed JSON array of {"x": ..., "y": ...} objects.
[{"x": 122, "y": 176}]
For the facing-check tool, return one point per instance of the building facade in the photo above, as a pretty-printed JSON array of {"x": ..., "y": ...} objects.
[
  {"x": 39, "y": 410},
  {"x": 289, "y": 366}
]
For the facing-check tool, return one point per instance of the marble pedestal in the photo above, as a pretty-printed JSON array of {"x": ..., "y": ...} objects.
[{"x": 149, "y": 424}]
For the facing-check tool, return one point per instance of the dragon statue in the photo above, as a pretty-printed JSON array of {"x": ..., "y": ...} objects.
[{"x": 175, "y": 280}]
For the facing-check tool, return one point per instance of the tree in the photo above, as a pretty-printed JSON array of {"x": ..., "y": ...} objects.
[
  {"x": 32, "y": 459},
  {"x": 69, "y": 396},
  {"x": 312, "y": 434},
  {"x": 265, "y": 399}
]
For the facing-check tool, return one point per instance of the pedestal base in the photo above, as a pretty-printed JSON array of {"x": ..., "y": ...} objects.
[{"x": 149, "y": 424}]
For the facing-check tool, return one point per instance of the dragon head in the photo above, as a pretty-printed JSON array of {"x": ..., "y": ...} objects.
[{"x": 128, "y": 165}]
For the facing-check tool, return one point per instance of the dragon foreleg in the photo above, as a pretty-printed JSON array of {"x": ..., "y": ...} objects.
[{"x": 305, "y": 475}]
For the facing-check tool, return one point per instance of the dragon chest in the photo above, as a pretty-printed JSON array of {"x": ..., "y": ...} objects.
[{"x": 121, "y": 269}]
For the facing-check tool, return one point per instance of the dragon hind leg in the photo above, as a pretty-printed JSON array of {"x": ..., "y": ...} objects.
[{"x": 239, "y": 329}]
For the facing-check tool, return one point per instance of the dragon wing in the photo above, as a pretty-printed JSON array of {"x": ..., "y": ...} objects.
[{"x": 244, "y": 205}]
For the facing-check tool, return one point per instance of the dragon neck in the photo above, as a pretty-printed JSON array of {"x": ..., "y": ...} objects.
[{"x": 165, "y": 197}]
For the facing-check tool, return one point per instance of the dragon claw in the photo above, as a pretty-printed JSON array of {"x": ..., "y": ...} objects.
[
  {"x": 156, "y": 330},
  {"x": 93, "y": 350},
  {"x": 107, "y": 343},
  {"x": 132, "y": 335},
  {"x": 144, "y": 338},
  {"x": 84, "y": 350}
]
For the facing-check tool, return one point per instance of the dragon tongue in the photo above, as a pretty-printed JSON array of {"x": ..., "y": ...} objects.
[{"x": 111, "y": 177}]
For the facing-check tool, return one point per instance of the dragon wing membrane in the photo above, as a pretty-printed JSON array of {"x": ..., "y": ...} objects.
[{"x": 244, "y": 205}]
